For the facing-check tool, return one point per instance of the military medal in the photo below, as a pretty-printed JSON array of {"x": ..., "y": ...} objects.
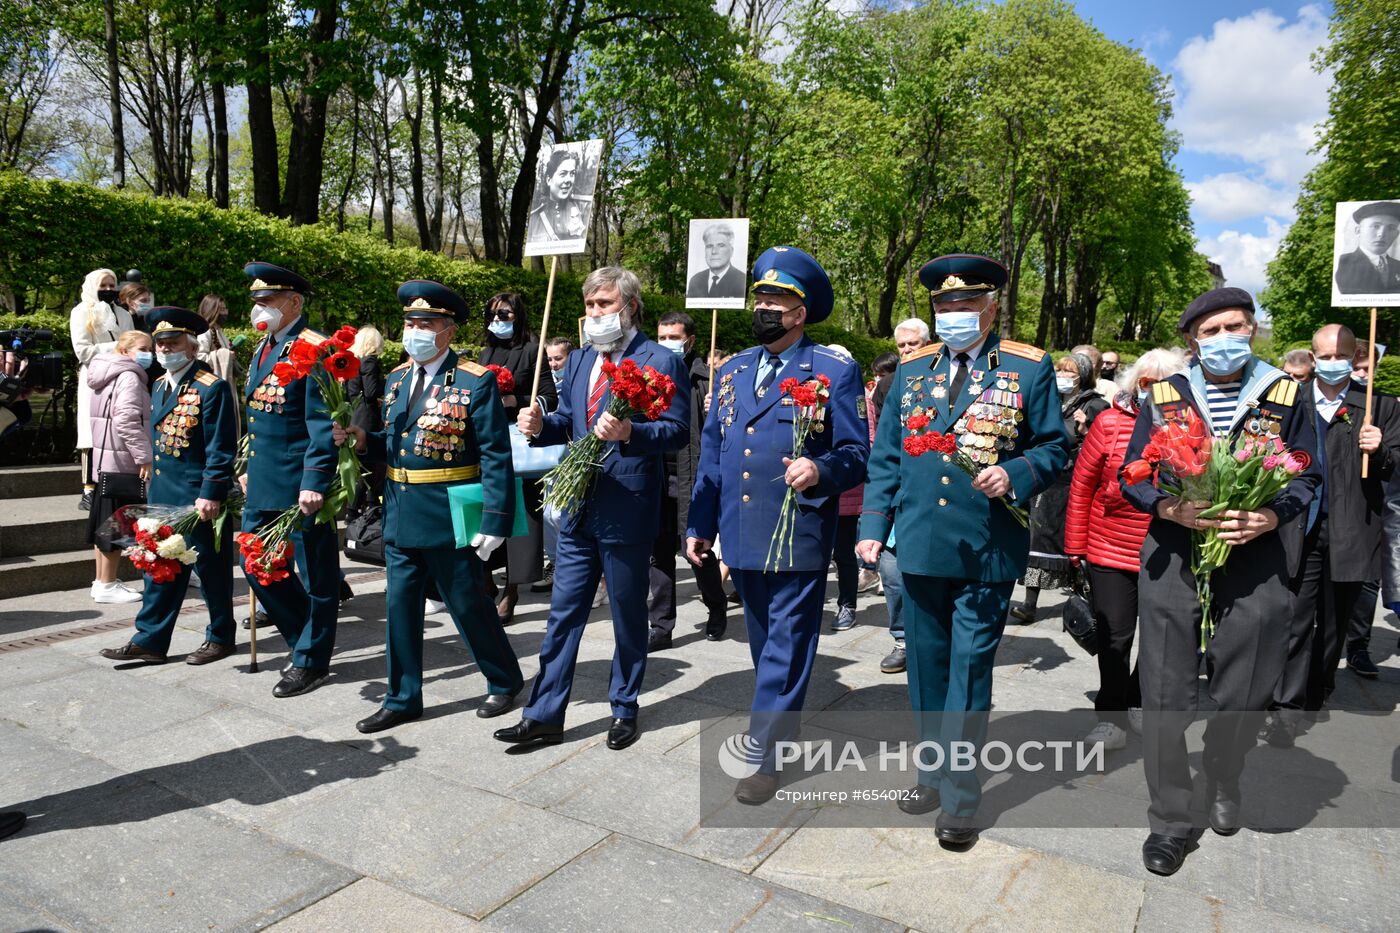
[{"x": 939, "y": 391}]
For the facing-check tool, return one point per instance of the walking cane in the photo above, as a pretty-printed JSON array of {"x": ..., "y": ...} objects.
[{"x": 252, "y": 632}]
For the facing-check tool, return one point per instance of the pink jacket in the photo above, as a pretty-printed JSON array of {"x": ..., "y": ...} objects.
[{"x": 122, "y": 441}]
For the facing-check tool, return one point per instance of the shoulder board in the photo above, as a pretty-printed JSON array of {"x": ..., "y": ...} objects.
[
  {"x": 1164, "y": 393},
  {"x": 400, "y": 368},
  {"x": 1283, "y": 392},
  {"x": 312, "y": 334},
  {"x": 476, "y": 369},
  {"x": 206, "y": 378},
  {"x": 833, "y": 355},
  {"x": 1024, "y": 350},
  {"x": 929, "y": 350}
]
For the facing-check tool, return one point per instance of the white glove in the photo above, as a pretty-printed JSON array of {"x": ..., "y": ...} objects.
[{"x": 485, "y": 544}]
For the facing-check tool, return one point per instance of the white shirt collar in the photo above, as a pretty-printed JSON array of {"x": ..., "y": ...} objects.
[
  {"x": 972, "y": 352},
  {"x": 430, "y": 369},
  {"x": 1325, "y": 406},
  {"x": 277, "y": 337},
  {"x": 173, "y": 376}
]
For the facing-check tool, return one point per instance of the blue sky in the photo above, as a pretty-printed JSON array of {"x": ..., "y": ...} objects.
[{"x": 1247, "y": 103}]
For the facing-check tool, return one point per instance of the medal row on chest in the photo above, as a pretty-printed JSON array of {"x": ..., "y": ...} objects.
[
  {"x": 269, "y": 396},
  {"x": 442, "y": 426},
  {"x": 175, "y": 427}
]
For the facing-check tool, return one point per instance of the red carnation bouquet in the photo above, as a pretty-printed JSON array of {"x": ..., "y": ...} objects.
[
  {"x": 268, "y": 554},
  {"x": 810, "y": 398},
  {"x": 505, "y": 379},
  {"x": 330, "y": 363},
  {"x": 161, "y": 534},
  {"x": 1182, "y": 458},
  {"x": 160, "y": 552},
  {"x": 636, "y": 390},
  {"x": 916, "y": 445}
]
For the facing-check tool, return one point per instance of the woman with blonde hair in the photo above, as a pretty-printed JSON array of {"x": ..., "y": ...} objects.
[
  {"x": 121, "y": 433},
  {"x": 94, "y": 325},
  {"x": 368, "y": 385}
]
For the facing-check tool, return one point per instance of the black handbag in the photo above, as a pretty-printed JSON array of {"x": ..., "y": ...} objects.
[
  {"x": 126, "y": 488},
  {"x": 1078, "y": 614},
  {"x": 364, "y": 536}
]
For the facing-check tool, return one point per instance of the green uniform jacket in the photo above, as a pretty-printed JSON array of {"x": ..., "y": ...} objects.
[
  {"x": 195, "y": 438},
  {"x": 1007, "y": 413},
  {"x": 458, "y": 422}
]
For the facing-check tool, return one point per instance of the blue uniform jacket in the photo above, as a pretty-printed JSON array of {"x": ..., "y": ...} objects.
[
  {"x": 739, "y": 489},
  {"x": 1007, "y": 414},
  {"x": 624, "y": 505},
  {"x": 195, "y": 438},
  {"x": 458, "y": 422},
  {"x": 290, "y": 447}
]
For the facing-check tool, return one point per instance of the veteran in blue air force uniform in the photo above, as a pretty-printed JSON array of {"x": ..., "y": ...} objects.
[
  {"x": 614, "y": 529},
  {"x": 959, "y": 549},
  {"x": 291, "y": 462},
  {"x": 748, "y": 443},
  {"x": 443, "y": 427},
  {"x": 194, "y": 434}
]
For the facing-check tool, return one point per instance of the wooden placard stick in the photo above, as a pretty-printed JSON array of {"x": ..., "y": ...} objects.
[
  {"x": 544, "y": 329},
  {"x": 714, "y": 329},
  {"x": 1370, "y": 381},
  {"x": 252, "y": 632}
]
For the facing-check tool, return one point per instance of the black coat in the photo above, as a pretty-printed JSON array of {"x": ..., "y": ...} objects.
[
  {"x": 1356, "y": 507},
  {"x": 520, "y": 360},
  {"x": 688, "y": 457},
  {"x": 1357, "y": 276},
  {"x": 369, "y": 385}
]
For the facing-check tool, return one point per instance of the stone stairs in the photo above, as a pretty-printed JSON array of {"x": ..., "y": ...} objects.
[{"x": 41, "y": 532}]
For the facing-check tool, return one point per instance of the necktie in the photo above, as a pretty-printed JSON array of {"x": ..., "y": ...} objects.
[
  {"x": 714, "y": 280},
  {"x": 959, "y": 378},
  {"x": 600, "y": 386},
  {"x": 419, "y": 382},
  {"x": 774, "y": 364},
  {"x": 267, "y": 346}
]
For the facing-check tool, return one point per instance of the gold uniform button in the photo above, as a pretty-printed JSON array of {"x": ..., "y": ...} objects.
[
  {"x": 747, "y": 451},
  {"x": 157, "y": 471},
  {"x": 746, "y": 498},
  {"x": 946, "y": 481},
  {"x": 947, "y": 459},
  {"x": 746, "y": 474},
  {"x": 750, "y": 430},
  {"x": 405, "y": 434},
  {"x": 402, "y": 452},
  {"x": 942, "y": 501},
  {"x": 252, "y": 437}
]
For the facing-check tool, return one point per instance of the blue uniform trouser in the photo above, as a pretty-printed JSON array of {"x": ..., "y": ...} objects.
[
  {"x": 579, "y": 560},
  {"x": 305, "y": 615},
  {"x": 783, "y": 613},
  {"x": 893, "y": 581},
  {"x": 458, "y": 576},
  {"x": 160, "y": 603},
  {"x": 952, "y": 628}
]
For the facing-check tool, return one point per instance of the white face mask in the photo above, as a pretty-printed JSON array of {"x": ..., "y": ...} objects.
[
  {"x": 266, "y": 319},
  {"x": 675, "y": 346},
  {"x": 604, "y": 329},
  {"x": 1066, "y": 384}
]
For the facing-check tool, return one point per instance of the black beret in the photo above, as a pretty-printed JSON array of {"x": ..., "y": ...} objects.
[
  {"x": 1389, "y": 208},
  {"x": 1217, "y": 299}
]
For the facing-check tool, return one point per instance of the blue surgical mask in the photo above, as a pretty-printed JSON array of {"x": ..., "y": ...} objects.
[
  {"x": 173, "y": 361},
  {"x": 557, "y": 375},
  {"x": 1225, "y": 354},
  {"x": 421, "y": 345},
  {"x": 1360, "y": 380},
  {"x": 606, "y": 328},
  {"x": 958, "y": 329},
  {"x": 1066, "y": 384},
  {"x": 1333, "y": 372},
  {"x": 675, "y": 346},
  {"x": 502, "y": 329},
  {"x": 144, "y": 358}
]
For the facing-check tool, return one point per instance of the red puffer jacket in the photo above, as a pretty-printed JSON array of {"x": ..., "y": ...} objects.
[{"x": 1099, "y": 522}]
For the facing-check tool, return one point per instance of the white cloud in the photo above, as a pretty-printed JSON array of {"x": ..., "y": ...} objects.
[
  {"x": 1244, "y": 256},
  {"x": 1249, "y": 91},
  {"x": 1233, "y": 196}
]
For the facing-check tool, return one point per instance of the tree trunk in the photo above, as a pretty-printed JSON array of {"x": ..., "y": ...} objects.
[
  {"x": 114, "y": 95},
  {"x": 414, "y": 114},
  {"x": 354, "y": 167},
  {"x": 301, "y": 198},
  {"x": 439, "y": 169},
  {"x": 262, "y": 130}
]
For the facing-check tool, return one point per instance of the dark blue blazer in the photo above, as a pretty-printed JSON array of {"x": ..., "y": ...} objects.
[{"x": 624, "y": 505}]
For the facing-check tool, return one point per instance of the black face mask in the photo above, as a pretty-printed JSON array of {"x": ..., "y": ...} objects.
[
  {"x": 768, "y": 326},
  {"x": 108, "y": 295}
]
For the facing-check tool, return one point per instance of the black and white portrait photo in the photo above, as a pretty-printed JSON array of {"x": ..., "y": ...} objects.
[
  {"x": 717, "y": 273},
  {"x": 1365, "y": 264},
  {"x": 563, "y": 204}
]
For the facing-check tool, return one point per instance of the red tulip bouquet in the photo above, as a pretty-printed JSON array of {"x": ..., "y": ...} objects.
[{"x": 1182, "y": 458}]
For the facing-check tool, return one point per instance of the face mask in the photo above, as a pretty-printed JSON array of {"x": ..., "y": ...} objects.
[
  {"x": 501, "y": 329},
  {"x": 266, "y": 319},
  {"x": 1360, "y": 380},
  {"x": 1109, "y": 372},
  {"x": 144, "y": 308},
  {"x": 675, "y": 346},
  {"x": 173, "y": 361},
  {"x": 144, "y": 358},
  {"x": 223, "y": 318},
  {"x": 604, "y": 329},
  {"x": 1333, "y": 372},
  {"x": 421, "y": 345},
  {"x": 958, "y": 329},
  {"x": 768, "y": 326},
  {"x": 557, "y": 375},
  {"x": 108, "y": 295},
  {"x": 1066, "y": 384},
  {"x": 1224, "y": 354}
]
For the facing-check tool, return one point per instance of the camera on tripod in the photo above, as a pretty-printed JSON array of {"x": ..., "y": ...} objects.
[{"x": 24, "y": 369}]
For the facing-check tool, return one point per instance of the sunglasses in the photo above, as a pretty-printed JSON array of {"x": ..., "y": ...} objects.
[{"x": 499, "y": 314}]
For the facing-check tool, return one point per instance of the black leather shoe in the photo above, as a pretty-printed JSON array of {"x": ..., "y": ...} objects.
[
  {"x": 300, "y": 680},
  {"x": 132, "y": 652},
  {"x": 384, "y": 719},
  {"x": 530, "y": 731},
  {"x": 1163, "y": 854},
  {"x": 756, "y": 789},
  {"x": 658, "y": 640},
  {"x": 954, "y": 831},
  {"x": 1360, "y": 664},
  {"x": 11, "y": 823},
  {"x": 346, "y": 594},
  {"x": 1225, "y": 810},
  {"x": 1279, "y": 732},
  {"x": 495, "y": 704},
  {"x": 263, "y": 620},
  {"x": 918, "y": 799},
  {"x": 85, "y": 503},
  {"x": 622, "y": 733},
  {"x": 715, "y": 626}
]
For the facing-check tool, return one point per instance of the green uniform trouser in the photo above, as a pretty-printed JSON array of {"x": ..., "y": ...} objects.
[{"x": 458, "y": 575}]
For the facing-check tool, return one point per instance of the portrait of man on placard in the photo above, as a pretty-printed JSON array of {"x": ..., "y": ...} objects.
[
  {"x": 563, "y": 203},
  {"x": 1366, "y": 264},
  {"x": 717, "y": 262}
]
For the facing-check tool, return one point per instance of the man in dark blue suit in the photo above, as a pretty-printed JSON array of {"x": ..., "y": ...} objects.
[
  {"x": 612, "y": 532},
  {"x": 291, "y": 461},
  {"x": 748, "y": 443},
  {"x": 194, "y": 431}
]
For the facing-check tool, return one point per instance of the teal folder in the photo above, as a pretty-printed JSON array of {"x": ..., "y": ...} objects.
[{"x": 466, "y": 504}]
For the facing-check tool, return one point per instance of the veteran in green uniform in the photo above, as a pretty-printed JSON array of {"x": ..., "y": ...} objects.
[
  {"x": 960, "y": 548},
  {"x": 444, "y": 426}
]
